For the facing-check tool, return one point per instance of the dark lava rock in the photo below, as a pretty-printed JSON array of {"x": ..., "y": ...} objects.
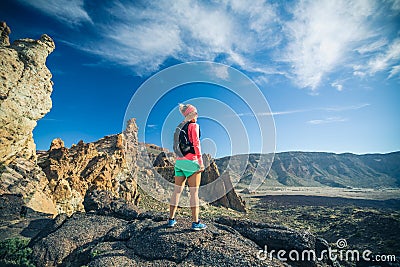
[
  {"x": 18, "y": 220},
  {"x": 96, "y": 240},
  {"x": 277, "y": 237},
  {"x": 104, "y": 203},
  {"x": 72, "y": 239}
]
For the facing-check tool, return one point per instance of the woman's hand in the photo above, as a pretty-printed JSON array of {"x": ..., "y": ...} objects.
[{"x": 201, "y": 168}]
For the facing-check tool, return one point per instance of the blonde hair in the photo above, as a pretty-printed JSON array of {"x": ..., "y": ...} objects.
[{"x": 188, "y": 111}]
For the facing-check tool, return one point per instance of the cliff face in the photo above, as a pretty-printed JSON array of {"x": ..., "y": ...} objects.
[{"x": 25, "y": 89}]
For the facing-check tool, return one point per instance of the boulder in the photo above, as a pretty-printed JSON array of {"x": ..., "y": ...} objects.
[
  {"x": 105, "y": 203},
  {"x": 23, "y": 177},
  {"x": 57, "y": 143},
  {"x": 68, "y": 241},
  {"x": 18, "y": 220}
]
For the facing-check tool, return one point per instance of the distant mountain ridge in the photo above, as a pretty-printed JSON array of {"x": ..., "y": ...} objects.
[{"x": 322, "y": 169}]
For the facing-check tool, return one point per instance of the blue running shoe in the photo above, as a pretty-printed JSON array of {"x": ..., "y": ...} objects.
[
  {"x": 198, "y": 226},
  {"x": 171, "y": 222}
]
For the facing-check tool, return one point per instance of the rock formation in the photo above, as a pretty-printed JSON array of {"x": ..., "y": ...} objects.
[
  {"x": 4, "y": 33},
  {"x": 25, "y": 89},
  {"x": 229, "y": 200},
  {"x": 85, "y": 167},
  {"x": 164, "y": 160}
]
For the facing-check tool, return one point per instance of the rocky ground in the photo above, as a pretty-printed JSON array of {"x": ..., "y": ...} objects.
[
  {"x": 94, "y": 240},
  {"x": 113, "y": 232},
  {"x": 269, "y": 221}
]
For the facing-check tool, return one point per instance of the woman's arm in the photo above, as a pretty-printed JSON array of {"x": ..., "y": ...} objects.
[{"x": 194, "y": 138}]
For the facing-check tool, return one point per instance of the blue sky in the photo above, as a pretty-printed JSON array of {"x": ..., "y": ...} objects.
[{"x": 330, "y": 70}]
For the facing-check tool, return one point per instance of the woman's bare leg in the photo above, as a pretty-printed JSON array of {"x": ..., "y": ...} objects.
[
  {"x": 194, "y": 183},
  {"x": 178, "y": 188}
]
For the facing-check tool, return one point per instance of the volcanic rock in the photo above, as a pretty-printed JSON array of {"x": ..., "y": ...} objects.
[
  {"x": 95, "y": 240},
  {"x": 25, "y": 89},
  {"x": 85, "y": 167},
  {"x": 277, "y": 237},
  {"x": 4, "y": 33},
  {"x": 24, "y": 178},
  {"x": 105, "y": 203},
  {"x": 222, "y": 186},
  {"x": 163, "y": 160}
]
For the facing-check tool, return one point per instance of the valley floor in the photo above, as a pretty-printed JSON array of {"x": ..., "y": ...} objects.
[
  {"x": 372, "y": 222},
  {"x": 356, "y": 193}
]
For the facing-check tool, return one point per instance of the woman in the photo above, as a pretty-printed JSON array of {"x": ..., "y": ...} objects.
[{"x": 188, "y": 167}]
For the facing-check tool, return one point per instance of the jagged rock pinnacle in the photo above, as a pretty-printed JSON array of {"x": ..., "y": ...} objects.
[{"x": 4, "y": 33}]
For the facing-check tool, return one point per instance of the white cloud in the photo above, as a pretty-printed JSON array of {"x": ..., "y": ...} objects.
[
  {"x": 289, "y": 112},
  {"x": 394, "y": 71},
  {"x": 305, "y": 42},
  {"x": 275, "y": 113},
  {"x": 259, "y": 15},
  {"x": 384, "y": 60},
  {"x": 220, "y": 71},
  {"x": 144, "y": 46},
  {"x": 343, "y": 108},
  {"x": 395, "y": 5},
  {"x": 294, "y": 111},
  {"x": 143, "y": 36},
  {"x": 322, "y": 34},
  {"x": 327, "y": 120},
  {"x": 372, "y": 47},
  {"x": 337, "y": 85},
  {"x": 70, "y": 12}
]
